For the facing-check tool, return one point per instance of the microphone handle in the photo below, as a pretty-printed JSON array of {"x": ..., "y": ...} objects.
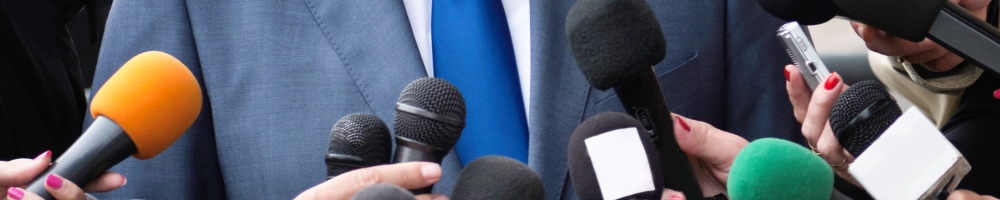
[
  {"x": 408, "y": 150},
  {"x": 101, "y": 147},
  {"x": 962, "y": 33},
  {"x": 644, "y": 100}
]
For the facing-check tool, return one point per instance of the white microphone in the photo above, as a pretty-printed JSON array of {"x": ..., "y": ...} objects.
[{"x": 911, "y": 160}]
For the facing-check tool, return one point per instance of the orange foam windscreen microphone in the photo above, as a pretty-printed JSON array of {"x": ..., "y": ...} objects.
[{"x": 142, "y": 109}]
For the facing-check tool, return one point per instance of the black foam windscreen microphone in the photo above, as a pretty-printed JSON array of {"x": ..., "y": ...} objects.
[
  {"x": 383, "y": 191},
  {"x": 611, "y": 157},
  {"x": 806, "y": 12},
  {"x": 861, "y": 114},
  {"x": 357, "y": 140},
  {"x": 616, "y": 43},
  {"x": 430, "y": 116},
  {"x": 497, "y": 177}
]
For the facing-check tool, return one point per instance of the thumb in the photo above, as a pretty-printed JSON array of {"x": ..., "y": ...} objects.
[
  {"x": 705, "y": 142},
  {"x": 20, "y": 172}
]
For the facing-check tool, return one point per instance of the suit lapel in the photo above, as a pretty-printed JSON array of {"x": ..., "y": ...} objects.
[
  {"x": 374, "y": 41},
  {"x": 558, "y": 95}
]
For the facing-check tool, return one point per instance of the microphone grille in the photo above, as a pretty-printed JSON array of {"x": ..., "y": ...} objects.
[
  {"x": 613, "y": 40},
  {"x": 853, "y": 102},
  {"x": 436, "y": 96},
  {"x": 383, "y": 191},
  {"x": 363, "y": 135}
]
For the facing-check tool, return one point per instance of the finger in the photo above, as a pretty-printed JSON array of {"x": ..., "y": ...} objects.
[
  {"x": 819, "y": 107},
  {"x": 963, "y": 194},
  {"x": 409, "y": 175},
  {"x": 933, "y": 53},
  {"x": 63, "y": 189},
  {"x": 867, "y": 33},
  {"x": 798, "y": 91},
  {"x": 669, "y": 194},
  {"x": 947, "y": 61},
  {"x": 431, "y": 197},
  {"x": 705, "y": 142},
  {"x": 16, "y": 193},
  {"x": 831, "y": 151},
  {"x": 106, "y": 182},
  {"x": 20, "y": 172}
]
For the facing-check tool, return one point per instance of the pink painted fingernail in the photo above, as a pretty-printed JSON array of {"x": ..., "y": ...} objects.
[
  {"x": 53, "y": 181},
  {"x": 675, "y": 197},
  {"x": 996, "y": 94},
  {"x": 15, "y": 193},
  {"x": 683, "y": 125},
  {"x": 44, "y": 154}
]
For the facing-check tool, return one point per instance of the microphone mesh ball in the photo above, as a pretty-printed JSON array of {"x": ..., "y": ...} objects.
[
  {"x": 613, "y": 40},
  {"x": 437, "y": 96},
  {"x": 362, "y": 135},
  {"x": 850, "y": 104}
]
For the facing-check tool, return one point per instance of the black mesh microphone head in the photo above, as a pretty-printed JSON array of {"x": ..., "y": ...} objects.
[
  {"x": 443, "y": 101},
  {"x": 581, "y": 169},
  {"x": 360, "y": 135},
  {"x": 806, "y": 12},
  {"x": 497, "y": 177},
  {"x": 383, "y": 191},
  {"x": 861, "y": 114},
  {"x": 614, "y": 40}
]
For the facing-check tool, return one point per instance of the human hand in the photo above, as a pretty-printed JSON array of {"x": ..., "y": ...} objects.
[
  {"x": 968, "y": 195},
  {"x": 408, "y": 175},
  {"x": 20, "y": 172},
  {"x": 927, "y": 53},
  {"x": 711, "y": 152},
  {"x": 813, "y": 111}
]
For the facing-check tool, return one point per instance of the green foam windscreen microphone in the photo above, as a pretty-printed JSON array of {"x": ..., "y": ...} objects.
[{"x": 770, "y": 168}]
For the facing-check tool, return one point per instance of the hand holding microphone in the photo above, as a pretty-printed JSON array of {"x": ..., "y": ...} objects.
[
  {"x": 814, "y": 111},
  {"x": 19, "y": 172},
  {"x": 408, "y": 175}
]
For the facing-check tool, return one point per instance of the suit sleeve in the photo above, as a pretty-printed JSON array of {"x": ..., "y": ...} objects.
[{"x": 188, "y": 169}]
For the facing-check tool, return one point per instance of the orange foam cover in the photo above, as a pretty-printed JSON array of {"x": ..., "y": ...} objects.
[{"x": 153, "y": 97}]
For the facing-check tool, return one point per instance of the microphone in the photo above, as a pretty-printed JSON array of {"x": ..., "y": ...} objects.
[
  {"x": 357, "y": 140},
  {"x": 770, "y": 168},
  {"x": 861, "y": 114},
  {"x": 616, "y": 43},
  {"x": 430, "y": 116},
  {"x": 612, "y": 157},
  {"x": 498, "y": 177},
  {"x": 143, "y": 108},
  {"x": 944, "y": 22},
  {"x": 383, "y": 191},
  {"x": 911, "y": 160}
]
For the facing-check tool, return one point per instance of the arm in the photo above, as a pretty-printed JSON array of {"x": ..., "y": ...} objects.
[{"x": 189, "y": 169}]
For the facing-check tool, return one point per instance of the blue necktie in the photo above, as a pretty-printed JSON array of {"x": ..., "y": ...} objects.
[{"x": 473, "y": 50}]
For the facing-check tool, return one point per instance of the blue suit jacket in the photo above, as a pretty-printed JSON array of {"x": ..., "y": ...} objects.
[{"x": 277, "y": 74}]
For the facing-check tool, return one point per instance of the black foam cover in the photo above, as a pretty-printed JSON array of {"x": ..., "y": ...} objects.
[
  {"x": 497, "y": 177},
  {"x": 581, "y": 169},
  {"x": 907, "y": 19},
  {"x": 360, "y": 135},
  {"x": 383, "y": 191},
  {"x": 857, "y": 133},
  {"x": 436, "y": 96},
  {"x": 614, "y": 40},
  {"x": 806, "y": 12}
]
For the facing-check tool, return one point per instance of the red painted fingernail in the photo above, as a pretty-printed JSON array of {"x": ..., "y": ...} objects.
[
  {"x": 786, "y": 75},
  {"x": 53, "y": 181},
  {"x": 44, "y": 154},
  {"x": 675, "y": 197},
  {"x": 996, "y": 94},
  {"x": 683, "y": 125},
  {"x": 831, "y": 82},
  {"x": 15, "y": 193}
]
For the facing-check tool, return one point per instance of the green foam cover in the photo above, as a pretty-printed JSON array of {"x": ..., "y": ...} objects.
[{"x": 770, "y": 168}]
